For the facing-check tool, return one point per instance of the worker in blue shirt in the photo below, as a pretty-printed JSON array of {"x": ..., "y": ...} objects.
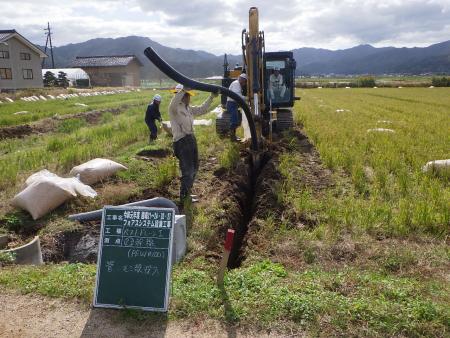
[{"x": 151, "y": 115}]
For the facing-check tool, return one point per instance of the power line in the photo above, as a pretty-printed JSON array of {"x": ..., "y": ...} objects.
[{"x": 48, "y": 42}]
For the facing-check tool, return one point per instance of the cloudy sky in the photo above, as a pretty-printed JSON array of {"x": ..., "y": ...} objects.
[{"x": 216, "y": 26}]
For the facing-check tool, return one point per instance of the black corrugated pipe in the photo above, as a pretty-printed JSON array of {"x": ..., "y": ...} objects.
[{"x": 168, "y": 70}]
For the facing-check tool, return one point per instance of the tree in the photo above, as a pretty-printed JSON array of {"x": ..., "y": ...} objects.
[
  {"x": 441, "y": 81},
  {"x": 365, "y": 81},
  {"x": 49, "y": 79},
  {"x": 62, "y": 80}
]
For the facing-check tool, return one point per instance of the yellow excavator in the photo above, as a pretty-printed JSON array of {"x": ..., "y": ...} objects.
[
  {"x": 270, "y": 82},
  {"x": 269, "y": 90}
]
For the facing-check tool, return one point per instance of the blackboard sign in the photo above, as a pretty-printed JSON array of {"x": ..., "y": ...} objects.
[{"x": 134, "y": 258}]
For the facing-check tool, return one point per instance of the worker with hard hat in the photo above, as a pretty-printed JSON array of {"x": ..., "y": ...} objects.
[
  {"x": 181, "y": 115},
  {"x": 232, "y": 106},
  {"x": 151, "y": 115}
]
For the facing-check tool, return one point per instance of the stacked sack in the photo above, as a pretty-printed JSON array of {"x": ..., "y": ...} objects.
[{"x": 44, "y": 191}]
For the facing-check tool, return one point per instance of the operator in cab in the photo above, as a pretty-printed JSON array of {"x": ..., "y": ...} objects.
[
  {"x": 151, "y": 115},
  {"x": 181, "y": 115},
  {"x": 276, "y": 85},
  {"x": 232, "y": 106}
]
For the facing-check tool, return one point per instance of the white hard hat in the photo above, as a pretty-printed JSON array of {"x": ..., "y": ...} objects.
[
  {"x": 243, "y": 75},
  {"x": 157, "y": 97},
  {"x": 179, "y": 87}
]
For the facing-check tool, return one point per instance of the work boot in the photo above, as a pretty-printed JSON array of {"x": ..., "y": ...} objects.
[{"x": 233, "y": 136}]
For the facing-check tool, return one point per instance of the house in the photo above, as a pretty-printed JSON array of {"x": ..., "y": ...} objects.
[
  {"x": 20, "y": 62},
  {"x": 111, "y": 71},
  {"x": 77, "y": 77}
]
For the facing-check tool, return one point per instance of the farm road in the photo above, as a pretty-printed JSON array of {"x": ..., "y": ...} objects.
[{"x": 37, "y": 316}]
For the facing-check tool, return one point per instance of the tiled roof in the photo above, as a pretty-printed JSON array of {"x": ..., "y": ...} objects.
[
  {"x": 103, "y": 61},
  {"x": 4, "y": 34}
]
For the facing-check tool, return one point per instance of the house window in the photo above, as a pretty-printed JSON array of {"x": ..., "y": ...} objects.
[
  {"x": 5, "y": 74},
  {"x": 25, "y": 56},
  {"x": 4, "y": 54},
  {"x": 27, "y": 74}
]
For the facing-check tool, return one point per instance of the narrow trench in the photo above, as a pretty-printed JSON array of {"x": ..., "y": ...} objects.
[{"x": 248, "y": 206}]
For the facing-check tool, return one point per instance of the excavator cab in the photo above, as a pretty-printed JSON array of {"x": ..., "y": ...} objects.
[{"x": 279, "y": 76}]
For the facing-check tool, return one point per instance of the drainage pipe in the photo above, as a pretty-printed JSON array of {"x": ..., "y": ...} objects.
[
  {"x": 168, "y": 70},
  {"x": 157, "y": 202}
]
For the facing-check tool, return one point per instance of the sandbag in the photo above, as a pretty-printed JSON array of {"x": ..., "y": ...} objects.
[
  {"x": 41, "y": 197},
  {"x": 46, "y": 191},
  {"x": 96, "y": 170},
  {"x": 437, "y": 166},
  {"x": 72, "y": 184}
]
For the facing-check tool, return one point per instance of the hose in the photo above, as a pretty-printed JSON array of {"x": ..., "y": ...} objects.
[{"x": 168, "y": 70}]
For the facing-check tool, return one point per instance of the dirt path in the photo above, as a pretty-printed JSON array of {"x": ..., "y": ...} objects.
[{"x": 37, "y": 316}]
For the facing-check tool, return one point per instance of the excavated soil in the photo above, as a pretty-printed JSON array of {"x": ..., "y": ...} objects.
[
  {"x": 50, "y": 124},
  {"x": 242, "y": 198},
  {"x": 153, "y": 153},
  {"x": 249, "y": 194}
]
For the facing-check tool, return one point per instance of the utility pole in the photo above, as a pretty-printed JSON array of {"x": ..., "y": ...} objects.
[{"x": 48, "y": 42}]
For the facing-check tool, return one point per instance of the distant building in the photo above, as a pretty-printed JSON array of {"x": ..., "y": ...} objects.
[
  {"x": 20, "y": 62},
  {"x": 77, "y": 77},
  {"x": 111, "y": 71}
]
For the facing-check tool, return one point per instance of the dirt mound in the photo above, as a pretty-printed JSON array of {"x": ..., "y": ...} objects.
[
  {"x": 15, "y": 131},
  {"x": 48, "y": 125},
  {"x": 74, "y": 246},
  {"x": 158, "y": 153}
]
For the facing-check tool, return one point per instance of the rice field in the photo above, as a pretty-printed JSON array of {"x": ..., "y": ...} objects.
[{"x": 381, "y": 139}]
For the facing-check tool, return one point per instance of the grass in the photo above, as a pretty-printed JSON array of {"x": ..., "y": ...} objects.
[{"x": 334, "y": 302}]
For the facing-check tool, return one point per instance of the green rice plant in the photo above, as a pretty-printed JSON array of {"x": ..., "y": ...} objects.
[
  {"x": 70, "y": 125},
  {"x": 165, "y": 172},
  {"x": 229, "y": 157}
]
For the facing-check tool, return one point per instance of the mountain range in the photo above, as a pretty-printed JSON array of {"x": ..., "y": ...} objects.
[{"x": 362, "y": 59}]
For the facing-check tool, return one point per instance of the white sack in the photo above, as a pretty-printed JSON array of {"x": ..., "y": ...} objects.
[
  {"x": 202, "y": 122},
  {"x": 41, "y": 197},
  {"x": 381, "y": 130},
  {"x": 96, "y": 170},
  {"x": 436, "y": 166},
  {"x": 72, "y": 184},
  {"x": 46, "y": 191},
  {"x": 217, "y": 110},
  {"x": 167, "y": 127}
]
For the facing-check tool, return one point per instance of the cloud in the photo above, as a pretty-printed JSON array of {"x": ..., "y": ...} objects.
[
  {"x": 216, "y": 26},
  {"x": 374, "y": 22}
]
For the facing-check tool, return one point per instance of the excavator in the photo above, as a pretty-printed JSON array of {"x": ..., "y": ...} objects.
[{"x": 269, "y": 90}]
